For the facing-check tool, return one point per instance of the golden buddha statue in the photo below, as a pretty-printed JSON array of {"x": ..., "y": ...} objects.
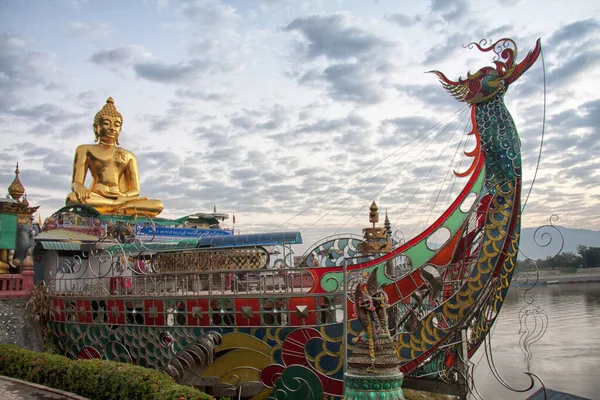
[{"x": 115, "y": 186}]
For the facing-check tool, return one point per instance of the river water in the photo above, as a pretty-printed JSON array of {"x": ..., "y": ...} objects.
[{"x": 566, "y": 358}]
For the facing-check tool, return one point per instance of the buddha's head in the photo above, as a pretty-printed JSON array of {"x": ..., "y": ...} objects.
[{"x": 108, "y": 122}]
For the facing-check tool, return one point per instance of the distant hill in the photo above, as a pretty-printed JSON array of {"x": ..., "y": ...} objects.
[{"x": 572, "y": 239}]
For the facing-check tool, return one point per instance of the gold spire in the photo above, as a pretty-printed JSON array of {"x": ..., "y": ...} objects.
[{"x": 16, "y": 189}]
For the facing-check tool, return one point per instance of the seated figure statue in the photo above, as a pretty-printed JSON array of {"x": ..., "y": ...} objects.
[{"x": 115, "y": 186}]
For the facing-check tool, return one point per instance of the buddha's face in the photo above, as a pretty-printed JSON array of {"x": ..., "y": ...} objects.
[{"x": 109, "y": 129}]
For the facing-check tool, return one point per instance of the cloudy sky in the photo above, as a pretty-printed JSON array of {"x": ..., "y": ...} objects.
[{"x": 297, "y": 113}]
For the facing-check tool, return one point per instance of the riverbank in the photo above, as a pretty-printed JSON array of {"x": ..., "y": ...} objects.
[{"x": 553, "y": 277}]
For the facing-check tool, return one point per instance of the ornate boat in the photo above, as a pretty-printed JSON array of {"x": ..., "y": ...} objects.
[{"x": 233, "y": 313}]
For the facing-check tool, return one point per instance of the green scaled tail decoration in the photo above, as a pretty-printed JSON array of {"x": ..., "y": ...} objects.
[{"x": 499, "y": 140}]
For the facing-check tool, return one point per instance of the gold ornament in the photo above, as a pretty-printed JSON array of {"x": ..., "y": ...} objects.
[{"x": 16, "y": 188}]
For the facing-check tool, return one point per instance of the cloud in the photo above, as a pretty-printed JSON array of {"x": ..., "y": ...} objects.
[
  {"x": 444, "y": 51},
  {"x": 587, "y": 115},
  {"x": 214, "y": 135},
  {"x": 404, "y": 20},
  {"x": 246, "y": 119},
  {"x": 277, "y": 117},
  {"x": 119, "y": 56},
  {"x": 569, "y": 68},
  {"x": 50, "y": 120},
  {"x": 500, "y": 31},
  {"x": 334, "y": 125},
  {"x": 410, "y": 132},
  {"x": 411, "y": 125},
  {"x": 353, "y": 82},
  {"x": 89, "y": 98},
  {"x": 450, "y": 10},
  {"x": 433, "y": 95},
  {"x": 205, "y": 95},
  {"x": 50, "y": 113},
  {"x": 169, "y": 73},
  {"x": 212, "y": 45},
  {"x": 22, "y": 68},
  {"x": 177, "y": 113},
  {"x": 574, "y": 32},
  {"x": 529, "y": 84},
  {"x": 571, "y": 148},
  {"x": 356, "y": 59},
  {"x": 210, "y": 14},
  {"x": 568, "y": 56},
  {"x": 44, "y": 170},
  {"x": 335, "y": 38},
  {"x": 327, "y": 134},
  {"x": 73, "y": 129},
  {"x": 51, "y": 178},
  {"x": 215, "y": 56},
  {"x": 158, "y": 163}
]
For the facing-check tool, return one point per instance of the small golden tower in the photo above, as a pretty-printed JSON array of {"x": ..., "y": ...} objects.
[
  {"x": 16, "y": 188},
  {"x": 376, "y": 239}
]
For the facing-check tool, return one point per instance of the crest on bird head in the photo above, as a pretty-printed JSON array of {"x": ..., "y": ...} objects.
[{"x": 490, "y": 81}]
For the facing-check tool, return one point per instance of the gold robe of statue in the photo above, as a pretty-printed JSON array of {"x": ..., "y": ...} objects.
[{"x": 115, "y": 187}]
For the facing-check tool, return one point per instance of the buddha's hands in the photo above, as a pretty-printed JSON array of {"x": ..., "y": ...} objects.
[
  {"x": 126, "y": 199},
  {"x": 81, "y": 191},
  {"x": 107, "y": 195}
]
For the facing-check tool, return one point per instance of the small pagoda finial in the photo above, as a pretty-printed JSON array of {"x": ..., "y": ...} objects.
[
  {"x": 376, "y": 238},
  {"x": 373, "y": 214},
  {"x": 16, "y": 189},
  {"x": 387, "y": 225},
  {"x": 215, "y": 208}
]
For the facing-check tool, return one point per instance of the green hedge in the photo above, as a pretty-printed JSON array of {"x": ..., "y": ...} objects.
[{"x": 95, "y": 379}]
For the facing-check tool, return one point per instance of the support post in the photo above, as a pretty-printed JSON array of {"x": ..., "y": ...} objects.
[
  {"x": 345, "y": 331},
  {"x": 374, "y": 369},
  {"x": 463, "y": 366}
]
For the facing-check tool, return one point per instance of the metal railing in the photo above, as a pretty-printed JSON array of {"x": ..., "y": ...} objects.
[{"x": 196, "y": 283}]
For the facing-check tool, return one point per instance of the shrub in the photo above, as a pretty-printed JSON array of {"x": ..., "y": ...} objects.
[{"x": 95, "y": 379}]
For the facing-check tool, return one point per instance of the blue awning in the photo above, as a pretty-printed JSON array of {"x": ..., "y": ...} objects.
[{"x": 256, "y": 239}]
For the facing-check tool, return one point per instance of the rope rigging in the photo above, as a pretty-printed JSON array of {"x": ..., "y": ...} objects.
[
  {"x": 460, "y": 113},
  {"x": 425, "y": 133},
  {"x": 441, "y": 185}
]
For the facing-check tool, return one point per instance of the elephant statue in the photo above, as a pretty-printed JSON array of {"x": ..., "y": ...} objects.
[{"x": 25, "y": 235}]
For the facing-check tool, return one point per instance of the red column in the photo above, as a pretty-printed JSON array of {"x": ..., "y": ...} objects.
[{"x": 27, "y": 279}]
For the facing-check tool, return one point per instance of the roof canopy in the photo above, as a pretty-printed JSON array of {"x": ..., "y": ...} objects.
[{"x": 87, "y": 211}]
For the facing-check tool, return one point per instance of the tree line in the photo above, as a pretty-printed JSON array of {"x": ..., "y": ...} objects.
[{"x": 586, "y": 257}]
